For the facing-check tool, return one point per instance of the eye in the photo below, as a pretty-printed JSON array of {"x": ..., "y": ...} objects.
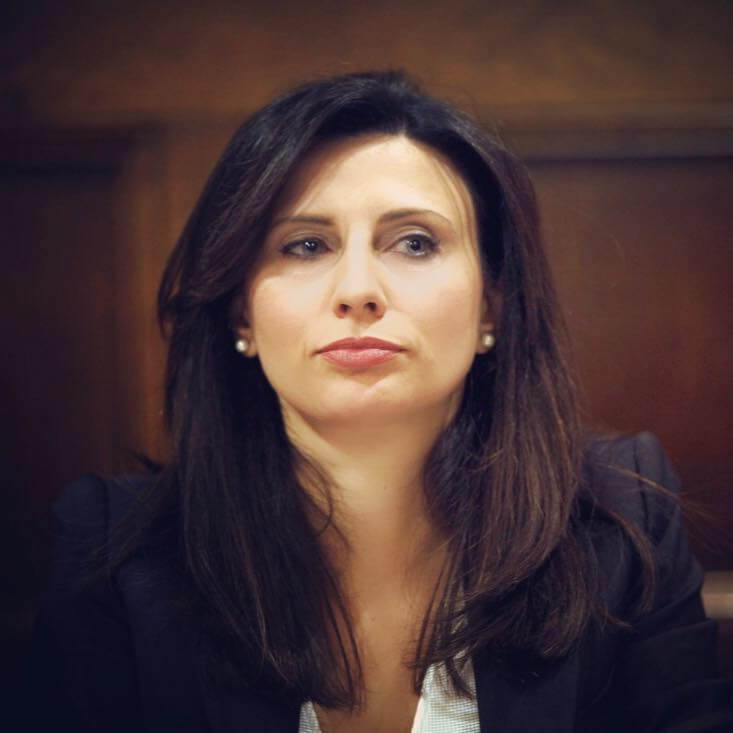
[
  {"x": 305, "y": 248},
  {"x": 417, "y": 245}
]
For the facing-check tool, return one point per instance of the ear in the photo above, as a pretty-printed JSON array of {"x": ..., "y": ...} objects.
[
  {"x": 241, "y": 326},
  {"x": 490, "y": 315}
]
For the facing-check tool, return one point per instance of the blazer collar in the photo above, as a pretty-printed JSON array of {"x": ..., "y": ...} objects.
[
  {"x": 541, "y": 699},
  {"x": 234, "y": 711}
]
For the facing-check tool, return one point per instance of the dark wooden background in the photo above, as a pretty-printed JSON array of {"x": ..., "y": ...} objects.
[{"x": 111, "y": 115}]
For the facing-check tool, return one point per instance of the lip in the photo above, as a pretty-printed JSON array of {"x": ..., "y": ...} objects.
[
  {"x": 360, "y": 352},
  {"x": 365, "y": 342}
]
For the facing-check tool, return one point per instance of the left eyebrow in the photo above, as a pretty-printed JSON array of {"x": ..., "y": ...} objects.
[
  {"x": 302, "y": 219},
  {"x": 388, "y": 216},
  {"x": 406, "y": 213}
]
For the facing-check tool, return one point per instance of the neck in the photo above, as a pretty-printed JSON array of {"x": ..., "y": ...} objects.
[{"x": 374, "y": 474}]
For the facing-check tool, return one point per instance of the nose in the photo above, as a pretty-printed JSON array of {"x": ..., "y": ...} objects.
[{"x": 358, "y": 291}]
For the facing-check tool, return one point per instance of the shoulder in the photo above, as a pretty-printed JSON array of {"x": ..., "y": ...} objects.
[
  {"x": 112, "y": 639},
  {"x": 95, "y": 503},
  {"x": 85, "y": 517},
  {"x": 641, "y": 453},
  {"x": 632, "y": 477},
  {"x": 664, "y": 667},
  {"x": 96, "y": 500},
  {"x": 639, "y": 532}
]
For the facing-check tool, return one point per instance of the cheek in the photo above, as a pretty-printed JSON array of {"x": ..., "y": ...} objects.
[
  {"x": 276, "y": 324},
  {"x": 274, "y": 314},
  {"x": 450, "y": 316}
]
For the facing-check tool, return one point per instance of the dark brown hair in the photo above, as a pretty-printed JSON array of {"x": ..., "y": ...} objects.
[{"x": 504, "y": 481}]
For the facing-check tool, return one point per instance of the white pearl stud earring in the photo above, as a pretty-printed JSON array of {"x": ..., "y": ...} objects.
[
  {"x": 488, "y": 340},
  {"x": 241, "y": 345}
]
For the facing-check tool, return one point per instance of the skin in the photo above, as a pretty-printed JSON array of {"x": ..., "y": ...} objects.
[{"x": 375, "y": 236}]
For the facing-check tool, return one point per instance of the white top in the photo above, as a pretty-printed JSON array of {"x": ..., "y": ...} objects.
[{"x": 439, "y": 709}]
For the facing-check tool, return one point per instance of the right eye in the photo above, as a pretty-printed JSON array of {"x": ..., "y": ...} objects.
[{"x": 306, "y": 248}]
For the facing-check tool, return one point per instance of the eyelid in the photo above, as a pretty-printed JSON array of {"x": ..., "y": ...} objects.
[
  {"x": 389, "y": 241},
  {"x": 430, "y": 240},
  {"x": 414, "y": 228},
  {"x": 287, "y": 247}
]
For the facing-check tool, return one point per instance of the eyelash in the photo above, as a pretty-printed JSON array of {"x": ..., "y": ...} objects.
[
  {"x": 432, "y": 245},
  {"x": 288, "y": 250}
]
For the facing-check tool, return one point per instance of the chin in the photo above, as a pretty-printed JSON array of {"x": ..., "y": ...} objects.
[{"x": 363, "y": 410}]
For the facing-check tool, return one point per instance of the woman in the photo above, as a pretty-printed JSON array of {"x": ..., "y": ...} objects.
[{"x": 381, "y": 513}]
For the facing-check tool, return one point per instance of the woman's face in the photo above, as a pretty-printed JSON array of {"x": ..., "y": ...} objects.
[{"x": 375, "y": 238}]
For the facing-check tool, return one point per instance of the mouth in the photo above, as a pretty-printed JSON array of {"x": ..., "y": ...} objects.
[
  {"x": 360, "y": 352},
  {"x": 358, "y": 344}
]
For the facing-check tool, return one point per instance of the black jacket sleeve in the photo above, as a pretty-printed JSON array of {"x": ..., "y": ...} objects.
[
  {"x": 81, "y": 672},
  {"x": 667, "y": 666}
]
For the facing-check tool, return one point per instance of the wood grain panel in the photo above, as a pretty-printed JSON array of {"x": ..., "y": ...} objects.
[
  {"x": 123, "y": 63},
  {"x": 643, "y": 255}
]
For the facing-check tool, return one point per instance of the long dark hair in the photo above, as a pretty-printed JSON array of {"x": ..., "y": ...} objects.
[{"x": 504, "y": 480}]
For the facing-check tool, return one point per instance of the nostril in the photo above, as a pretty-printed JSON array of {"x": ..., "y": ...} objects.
[{"x": 369, "y": 306}]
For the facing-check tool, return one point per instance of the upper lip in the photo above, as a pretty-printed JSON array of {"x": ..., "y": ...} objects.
[{"x": 361, "y": 343}]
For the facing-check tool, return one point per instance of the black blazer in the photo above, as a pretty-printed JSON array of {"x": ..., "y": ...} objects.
[{"x": 123, "y": 656}]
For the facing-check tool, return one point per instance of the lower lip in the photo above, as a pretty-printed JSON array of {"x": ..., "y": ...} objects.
[{"x": 359, "y": 357}]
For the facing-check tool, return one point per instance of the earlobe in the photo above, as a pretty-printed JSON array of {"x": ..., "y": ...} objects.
[
  {"x": 490, "y": 311},
  {"x": 241, "y": 328},
  {"x": 244, "y": 343},
  {"x": 487, "y": 339}
]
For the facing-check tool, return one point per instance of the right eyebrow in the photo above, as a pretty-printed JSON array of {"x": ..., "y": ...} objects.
[{"x": 303, "y": 219}]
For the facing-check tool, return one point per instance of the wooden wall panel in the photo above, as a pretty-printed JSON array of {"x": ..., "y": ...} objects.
[
  {"x": 643, "y": 255},
  {"x": 78, "y": 218},
  {"x": 120, "y": 63},
  {"x": 80, "y": 361},
  {"x": 61, "y": 387}
]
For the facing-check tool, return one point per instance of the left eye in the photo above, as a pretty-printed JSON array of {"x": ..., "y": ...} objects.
[
  {"x": 305, "y": 248},
  {"x": 417, "y": 245}
]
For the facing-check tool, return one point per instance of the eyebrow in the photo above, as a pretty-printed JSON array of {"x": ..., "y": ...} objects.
[
  {"x": 405, "y": 213},
  {"x": 386, "y": 217}
]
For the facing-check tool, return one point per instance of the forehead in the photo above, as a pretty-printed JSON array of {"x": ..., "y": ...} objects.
[{"x": 379, "y": 171}]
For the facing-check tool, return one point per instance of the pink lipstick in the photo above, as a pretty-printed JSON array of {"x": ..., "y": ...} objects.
[{"x": 360, "y": 352}]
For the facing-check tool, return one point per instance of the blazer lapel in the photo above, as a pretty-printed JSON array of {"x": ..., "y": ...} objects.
[
  {"x": 238, "y": 711},
  {"x": 230, "y": 712},
  {"x": 541, "y": 702},
  {"x": 508, "y": 702}
]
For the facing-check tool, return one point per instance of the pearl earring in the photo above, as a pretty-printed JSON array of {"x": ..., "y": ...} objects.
[
  {"x": 488, "y": 340},
  {"x": 241, "y": 345}
]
